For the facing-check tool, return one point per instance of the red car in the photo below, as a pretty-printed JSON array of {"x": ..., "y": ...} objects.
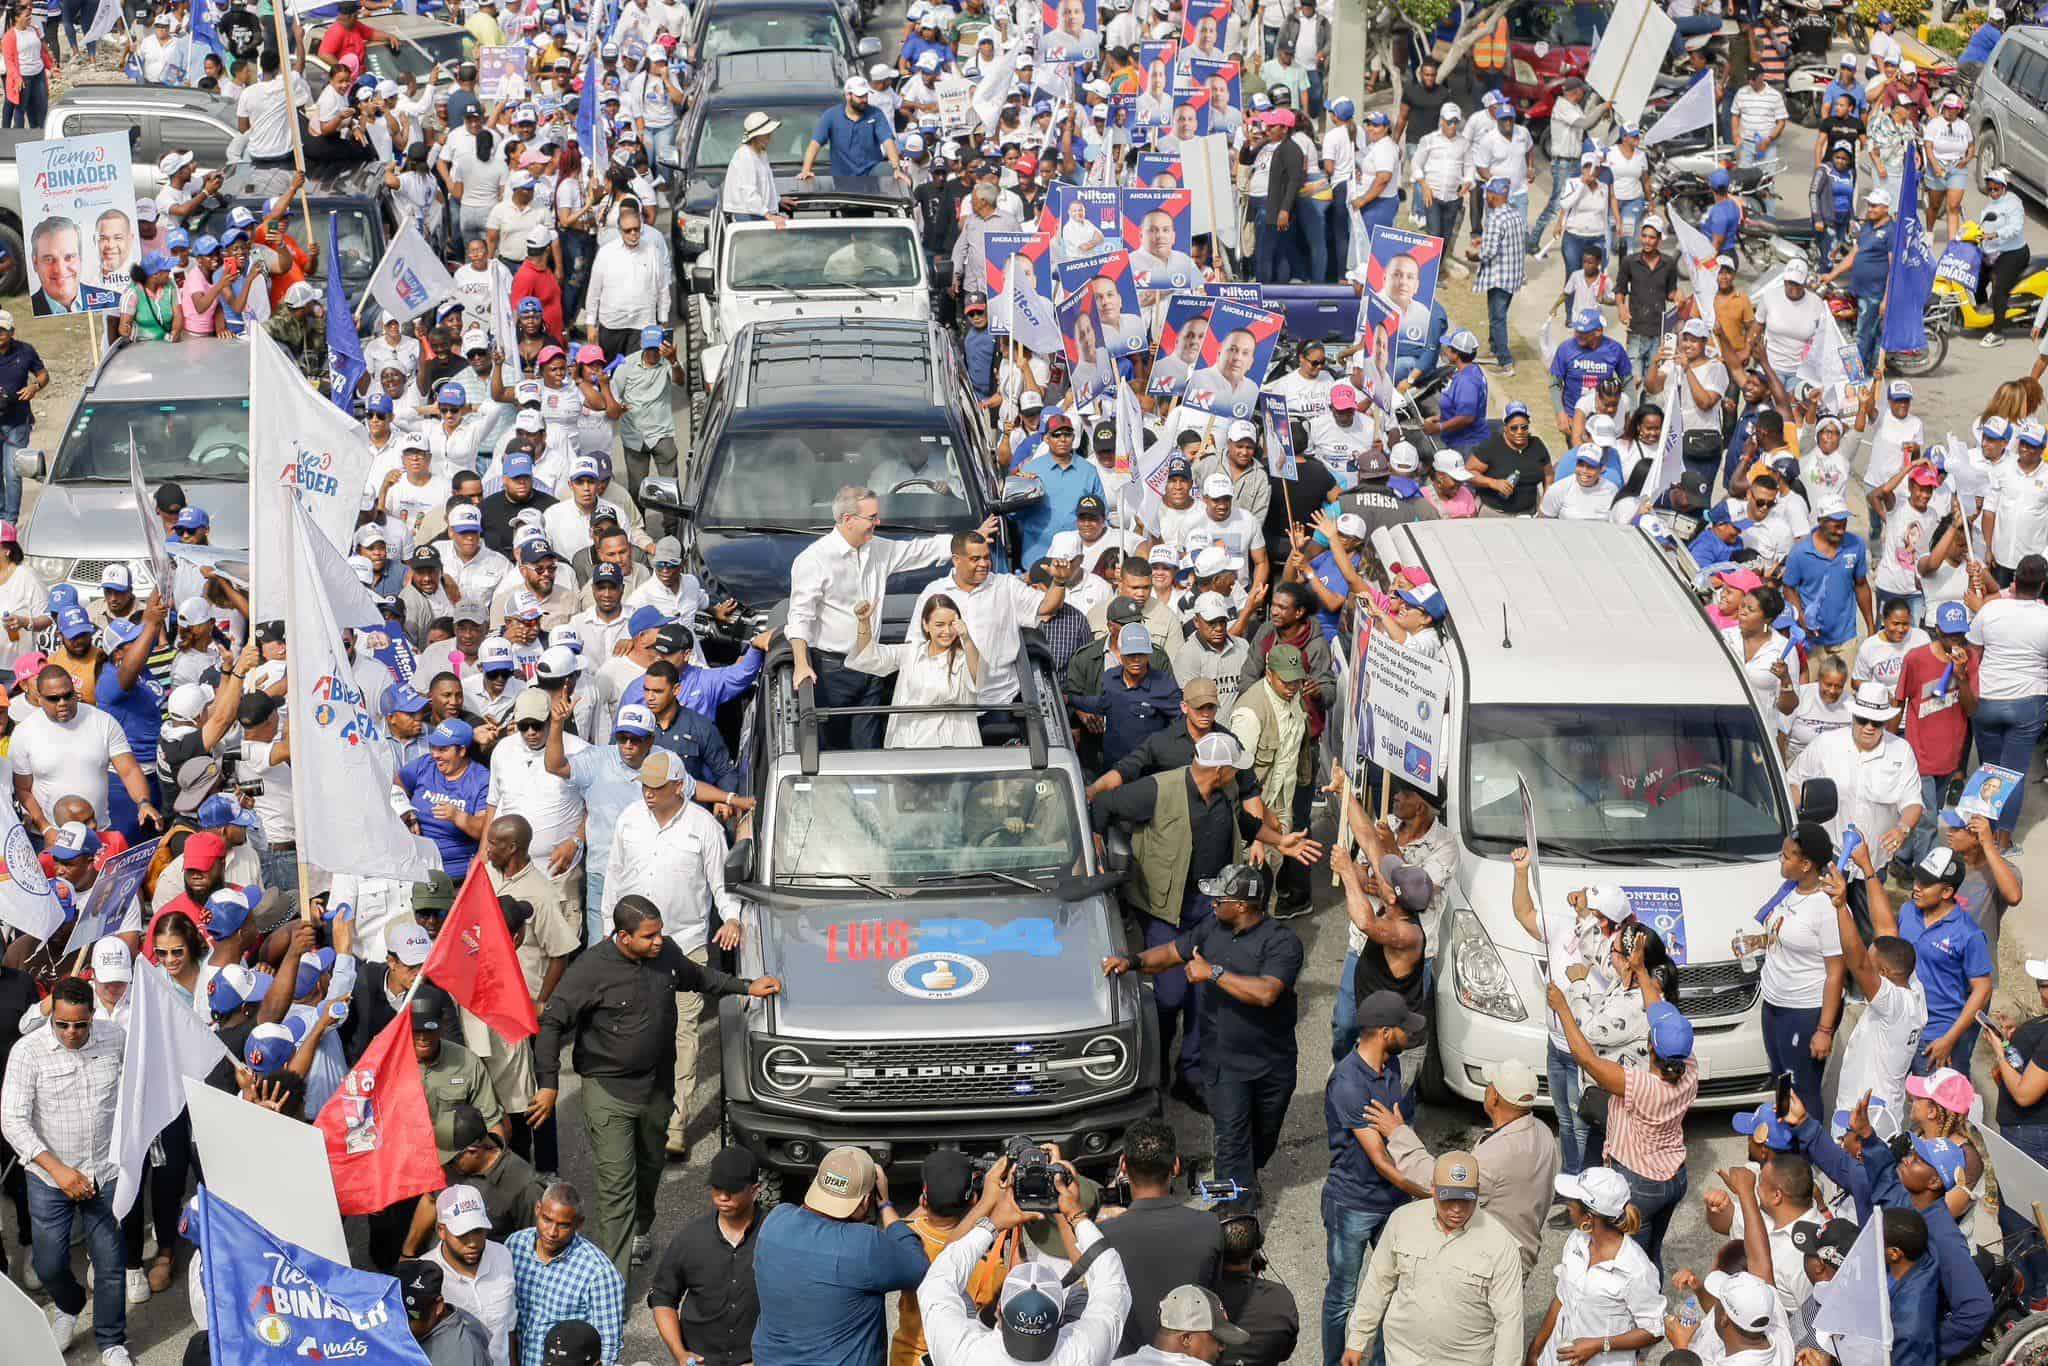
[{"x": 1548, "y": 41}]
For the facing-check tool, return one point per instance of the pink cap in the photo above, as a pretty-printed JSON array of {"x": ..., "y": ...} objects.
[
  {"x": 1280, "y": 118},
  {"x": 1924, "y": 475},
  {"x": 1742, "y": 580},
  {"x": 8, "y": 535},
  {"x": 589, "y": 354},
  {"x": 1946, "y": 1087},
  {"x": 548, "y": 353},
  {"x": 1343, "y": 397},
  {"x": 30, "y": 664}
]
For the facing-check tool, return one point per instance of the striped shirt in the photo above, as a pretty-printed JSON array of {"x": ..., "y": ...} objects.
[{"x": 1646, "y": 1122}]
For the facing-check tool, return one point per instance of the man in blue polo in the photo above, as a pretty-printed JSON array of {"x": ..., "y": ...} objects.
[
  {"x": 1827, "y": 580},
  {"x": 1869, "y": 268},
  {"x": 1724, "y": 216},
  {"x": 1066, "y": 482},
  {"x": 860, "y": 138},
  {"x": 1580, "y": 365}
]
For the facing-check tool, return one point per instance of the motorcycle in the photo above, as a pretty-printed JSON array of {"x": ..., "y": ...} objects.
[
  {"x": 1941, "y": 319},
  {"x": 1960, "y": 268}
]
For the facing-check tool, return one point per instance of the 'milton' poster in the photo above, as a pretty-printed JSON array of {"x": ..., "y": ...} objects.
[{"x": 78, "y": 205}]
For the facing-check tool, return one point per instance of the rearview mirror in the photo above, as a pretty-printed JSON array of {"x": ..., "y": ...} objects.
[
  {"x": 702, "y": 280},
  {"x": 661, "y": 492},
  {"x": 1818, "y": 800},
  {"x": 28, "y": 463},
  {"x": 739, "y": 863},
  {"x": 1018, "y": 494},
  {"x": 1116, "y": 851},
  {"x": 868, "y": 47}
]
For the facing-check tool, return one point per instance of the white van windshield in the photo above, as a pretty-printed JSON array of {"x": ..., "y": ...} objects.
[{"x": 1625, "y": 784}]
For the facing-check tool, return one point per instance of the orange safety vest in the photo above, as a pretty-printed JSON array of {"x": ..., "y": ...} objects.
[{"x": 1491, "y": 52}]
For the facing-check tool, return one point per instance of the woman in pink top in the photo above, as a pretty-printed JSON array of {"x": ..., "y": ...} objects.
[
  {"x": 199, "y": 289},
  {"x": 1450, "y": 486}
]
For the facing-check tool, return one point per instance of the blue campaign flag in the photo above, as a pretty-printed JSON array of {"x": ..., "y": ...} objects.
[
  {"x": 589, "y": 117},
  {"x": 344, "y": 347},
  {"x": 268, "y": 1300},
  {"x": 1912, "y": 278}
]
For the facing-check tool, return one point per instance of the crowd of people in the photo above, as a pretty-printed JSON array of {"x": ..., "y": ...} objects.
[{"x": 1201, "y": 567}]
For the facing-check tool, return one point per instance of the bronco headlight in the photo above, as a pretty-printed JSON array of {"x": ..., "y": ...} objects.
[
  {"x": 696, "y": 231},
  {"x": 1479, "y": 976}
]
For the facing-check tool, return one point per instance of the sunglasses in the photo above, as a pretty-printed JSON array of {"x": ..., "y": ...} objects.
[
  {"x": 525, "y": 726},
  {"x": 70, "y": 1024},
  {"x": 58, "y": 699}
]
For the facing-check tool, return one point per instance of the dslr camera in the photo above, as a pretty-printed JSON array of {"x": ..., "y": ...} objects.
[
  {"x": 237, "y": 771},
  {"x": 1033, "y": 1177}
]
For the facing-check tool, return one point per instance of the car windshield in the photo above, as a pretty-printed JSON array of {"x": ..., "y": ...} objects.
[
  {"x": 725, "y": 34},
  {"x": 420, "y": 55},
  {"x": 718, "y": 137},
  {"x": 1622, "y": 782},
  {"x": 197, "y": 438},
  {"x": 358, "y": 244},
  {"x": 1560, "y": 25},
  {"x": 825, "y": 256},
  {"x": 787, "y": 478},
  {"x": 898, "y": 828}
]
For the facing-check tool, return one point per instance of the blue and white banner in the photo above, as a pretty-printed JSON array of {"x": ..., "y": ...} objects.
[
  {"x": 268, "y": 1300},
  {"x": 410, "y": 279},
  {"x": 301, "y": 445},
  {"x": 1912, "y": 277}
]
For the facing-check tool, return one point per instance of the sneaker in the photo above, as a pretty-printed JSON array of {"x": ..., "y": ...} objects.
[
  {"x": 116, "y": 1356},
  {"x": 63, "y": 1327},
  {"x": 29, "y": 1280},
  {"x": 138, "y": 1286},
  {"x": 1507, "y": 371},
  {"x": 643, "y": 1248},
  {"x": 1991, "y": 339}
]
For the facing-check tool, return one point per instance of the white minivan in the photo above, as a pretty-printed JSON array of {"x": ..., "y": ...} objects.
[{"x": 1581, "y": 660}]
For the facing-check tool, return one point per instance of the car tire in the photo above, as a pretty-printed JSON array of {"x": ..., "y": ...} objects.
[
  {"x": 14, "y": 268},
  {"x": 1987, "y": 155},
  {"x": 693, "y": 364},
  {"x": 2025, "y": 1344}
]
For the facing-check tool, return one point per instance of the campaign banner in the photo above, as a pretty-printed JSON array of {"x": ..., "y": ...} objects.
[
  {"x": 1989, "y": 791},
  {"x": 1032, "y": 251},
  {"x": 1157, "y": 171},
  {"x": 1156, "y": 231},
  {"x": 496, "y": 69},
  {"x": 1107, "y": 275},
  {"x": 72, "y": 187},
  {"x": 1663, "y": 910},
  {"x": 1405, "y": 690},
  {"x": 106, "y": 905},
  {"x": 301, "y": 446},
  {"x": 1091, "y": 368},
  {"x": 1183, "y": 333},
  {"x": 1070, "y": 31},
  {"x": 1401, "y": 269},
  {"x": 1205, "y": 30},
  {"x": 1280, "y": 459},
  {"x": 1241, "y": 293},
  {"x": 955, "y": 94},
  {"x": 1221, "y": 86},
  {"x": 1084, "y": 219},
  {"x": 411, "y": 279},
  {"x": 1238, "y": 353}
]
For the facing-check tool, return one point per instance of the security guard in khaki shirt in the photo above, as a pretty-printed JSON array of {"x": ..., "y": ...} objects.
[{"x": 450, "y": 1073}]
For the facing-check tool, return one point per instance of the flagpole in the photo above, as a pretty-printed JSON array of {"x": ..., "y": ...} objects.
[
  {"x": 291, "y": 105},
  {"x": 291, "y": 616}
]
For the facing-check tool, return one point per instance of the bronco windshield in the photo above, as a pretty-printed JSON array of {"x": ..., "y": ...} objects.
[
  {"x": 826, "y": 256},
  {"x": 898, "y": 829}
]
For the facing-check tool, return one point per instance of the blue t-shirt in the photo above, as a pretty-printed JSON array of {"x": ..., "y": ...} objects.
[
  {"x": 139, "y": 710},
  {"x": 1355, "y": 1184},
  {"x": 426, "y": 784},
  {"x": 1324, "y": 567},
  {"x": 831, "y": 1280},
  {"x": 856, "y": 144},
  {"x": 1827, "y": 586},
  {"x": 1064, "y": 490},
  {"x": 1950, "y": 954},
  {"x": 1984, "y": 38},
  {"x": 1465, "y": 394},
  {"x": 1872, "y": 264},
  {"x": 1579, "y": 369},
  {"x": 1722, "y": 221}
]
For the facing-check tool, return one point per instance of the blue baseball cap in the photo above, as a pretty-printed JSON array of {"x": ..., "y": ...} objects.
[
  {"x": 378, "y": 404},
  {"x": 1945, "y": 1155},
  {"x": 178, "y": 237},
  {"x": 1377, "y": 118},
  {"x": 193, "y": 518},
  {"x": 452, "y": 396},
  {"x": 269, "y": 1048},
  {"x": 1515, "y": 408},
  {"x": 228, "y": 909},
  {"x": 1426, "y": 600},
  {"x": 1843, "y": 1118},
  {"x": 73, "y": 840},
  {"x": 530, "y": 304},
  {"x": 1764, "y": 1125},
  {"x": 1952, "y": 819},
  {"x": 1718, "y": 179},
  {"x": 402, "y": 697},
  {"x": 650, "y": 338},
  {"x": 1995, "y": 428},
  {"x": 72, "y": 622},
  {"x": 121, "y": 630},
  {"x": 517, "y": 465},
  {"x": 206, "y": 245},
  {"x": 607, "y": 572},
  {"x": 159, "y": 263},
  {"x": 452, "y": 732},
  {"x": 63, "y": 595},
  {"x": 232, "y": 987},
  {"x": 232, "y": 236},
  {"x": 646, "y": 619},
  {"x": 1589, "y": 320},
  {"x": 1498, "y": 185},
  {"x": 1951, "y": 618},
  {"x": 1670, "y": 1031},
  {"x": 241, "y": 216},
  {"x": 218, "y": 812},
  {"x": 1342, "y": 108}
]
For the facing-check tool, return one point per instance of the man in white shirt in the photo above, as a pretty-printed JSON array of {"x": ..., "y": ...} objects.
[
  {"x": 476, "y": 1273},
  {"x": 65, "y": 750},
  {"x": 849, "y": 565},
  {"x": 264, "y": 112},
  {"x": 1566, "y": 143},
  {"x": 996, "y": 608},
  {"x": 522, "y": 786},
  {"x": 749, "y": 191},
  {"x": 629, "y": 288},
  {"x": 469, "y": 566},
  {"x": 1757, "y": 118},
  {"x": 1792, "y": 322},
  {"x": 1876, "y": 777}
]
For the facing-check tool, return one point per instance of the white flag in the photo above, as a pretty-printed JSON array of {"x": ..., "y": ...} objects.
[
  {"x": 505, "y": 321},
  {"x": 1693, "y": 109},
  {"x": 1031, "y": 317},
  {"x": 152, "y": 526},
  {"x": 26, "y": 899},
  {"x": 299, "y": 441},
  {"x": 995, "y": 83},
  {"x": 166, "y": 1040},
  {"x": 1858, "y": 1306},
  {"x": 339, "y": 760},
  {"x": 103, "y": 20},
  {"x": 1700, "y": 260},
  {"x": 410, "y": 279}
]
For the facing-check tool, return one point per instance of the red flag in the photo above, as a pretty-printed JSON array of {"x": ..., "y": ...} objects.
[
  {"x": 380, "y": 1136},
  {"x": 473, "y": 960}
]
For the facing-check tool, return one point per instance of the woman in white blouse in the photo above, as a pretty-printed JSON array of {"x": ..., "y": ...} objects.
[
  {"x": 1811, "y": 710},
  {"x": 944, "y": 669},
  {"x": 1758, "y": 647},
  {"x": 1609, "y": 1305}
]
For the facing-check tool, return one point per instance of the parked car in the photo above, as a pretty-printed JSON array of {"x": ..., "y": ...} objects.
[
  {"x": 792, "y": 85},
  {"x": 187, "y": 404},
  {"x": 1547, "y": 42},
  {"x": 723, "y": 28},
  {"x": 425, "y": 46},
  {"x": 2009, "y": 110}
]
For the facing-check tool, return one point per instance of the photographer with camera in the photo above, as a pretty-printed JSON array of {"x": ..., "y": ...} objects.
[
  {"x": 1163, "y": 1242},
  {"x": 1030, "y": 1312}
]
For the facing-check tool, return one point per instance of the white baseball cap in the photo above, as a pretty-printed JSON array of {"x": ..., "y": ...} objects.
[
  {"x": 1602, "y": 1190},
  {"x": 408, "y": 943},
  {"x": 460, "y": 1210},
  {"x": 1218, "y": 486},
  {"x": 858, "y": 85},
  {"x": 111, "y": 961}
]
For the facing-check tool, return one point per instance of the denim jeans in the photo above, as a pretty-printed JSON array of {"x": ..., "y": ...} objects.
[
  {"x": 1656, "y": 1201},
  {"x": 1270, "y": 253},
  {"x": 1442, "y": 219},
  {"x": 1573, "y": 250},
  {"x": 1497, "y": 301},
  {"x": 1869, "y": 326},
  {"x": 1415, "y": 204},
  {"x": 1312, "y": 231},
  {"x": 1922, "y": 837},
  {"x": 1248, "y": 1113},
  {"x": 2007, "y": 731},
  {"x": 661, "y": 144},
  {"x": 1340, "y": 238},
  {"x": 1788, "y": 1036},
  {"x": 1573, "y": 1133},
  {"x": 1562, "y": 170},
  {"x": 1958, "y": 1058},
  {"x": 1344, "y": 1012},
  {"x": 1746, "y": 154},
  {"x": 1640, "y": 352},
  {"x": 13, "y": 437},
  {"x": 1348, "y": 1239},
  {"x": 1691, "y": 26},
  {"x": 51, "y": 1213}
]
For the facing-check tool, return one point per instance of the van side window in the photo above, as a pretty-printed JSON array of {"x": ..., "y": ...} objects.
[
  {"x": 2029, "y": 79},
  {"x": 2005, "y": 61}
]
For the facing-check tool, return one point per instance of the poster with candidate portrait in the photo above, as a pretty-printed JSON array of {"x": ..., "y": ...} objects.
[
  {"x": 1221, "y": 85},
  {"x": 500, "y": 73},
  {"x": 78, "y": 206},
  {"x": 1236, "y": 356},
  {"x": 1069, "y": 31},
  {"x": 1205, "y": 30},
  {"x": 1031, "y": 251},
  {"x": 1157, "y": 171},
  {"x": 1280, "y": 458},
  {"x": 1183, "y": 332},
  {"x": 1108, "y": 276},
  {"x": 1155, "y": 91},
  {"x": 1084, "y": 219},
  {"x": 1401, "y": 270},
  {"x": 1091, "y": 369},
  {"x": 1157, "y": 233}
]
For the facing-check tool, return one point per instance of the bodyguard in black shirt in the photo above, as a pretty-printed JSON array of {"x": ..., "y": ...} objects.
[
  {"x": 703, "y": 1294},
  {"x": 1163, "y": 1242}
]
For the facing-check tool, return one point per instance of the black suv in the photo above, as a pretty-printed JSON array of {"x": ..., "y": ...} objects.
[
  {"x": 793, "y": 85},
  {"x": 804, "y": 409}
]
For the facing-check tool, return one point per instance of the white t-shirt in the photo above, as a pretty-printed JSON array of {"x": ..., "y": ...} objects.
[
  {"x": 1877, "y": 659},
  {"x": 522, "y": 786},
  {"x": 1791, "y": 328},
  {"x": 1812, "y": 718},
  {"x": 1879, "y": 1050},
  {"x": 1713, "y": 377},
  {"x": 1803, "y": 935},
  {"x": 1908, "y": 535},
  {"x": 2014, "y": 634},
  {"x": 1238, "y": 534},
  {"x": 1628, "y": 173},
  {"x": 264, "y": 105},
  {"x": 1570, "y": 501},
  {"x": 2019, "y": 506},
  {"x": 68, "y": 760},
  {"x": 1888, "y": 436}
]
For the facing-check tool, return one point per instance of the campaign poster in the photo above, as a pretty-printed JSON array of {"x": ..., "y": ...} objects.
[
  {"x": 1156, "y": 232},
  {"x": 1406, "y": 691},
  {"x": 1221, "y": 85},
  {"x": 1663, "y": 910},
  {"x": 1123, "y": 117},
  {"x": 1032, "y": 251},
  {"x": 1989, "y": 791},
  {"x": 1183, "y": 333},
  {"x": 1155, "y": 96},
  {"x": 1280, "y": 458},
  {"x": 1205, "y": 30},
  {"x": 1070, "y": 33},
  {"x": 106, "y": 905},
  {"x": 1085, "y": 219},
  {"x": 1091, "y": 369},
  {"x": 1107, "y": 275},
  {"x": 500, "y": 73},
  {"x": 78, "y": 204},
  {"x": 1400, "y": 281},
  {"x": 954, "y": 92},
  {"x": 1157, "y": 171},
  {"x": 1236, "y": 356}
]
